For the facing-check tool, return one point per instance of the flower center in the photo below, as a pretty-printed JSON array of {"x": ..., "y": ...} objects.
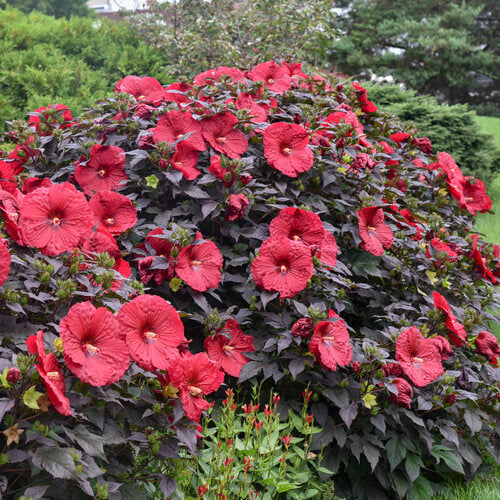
[
  {"x": 179, "y": 136},
  {"x": 195, "y": 263},
  {"x": 222, "y": 140},
  {"x": 417, "y": 360},
  {"x": 101, "y": 173},
  {"x": 141, "y": 98},
  {"x": 53, "y": 375},
  {"x": 283, "y": 268},
  {"x": 370, "y": 228},
  {"x": 228, "y": 348},
  {"x": 271, "y": 81},
  {"x": 178, "y": 164},
  {"x": 56, "y": 221},
  {"x": 150, "y": 337},
  {"x": 468, "y": 198},
  {"x": 296, "y": 237},
  {"x": 195, "y": 391},
  {"x": 91, "y": 349},
  {"x": 330, "y": 339},
  {"x": 286, "y": 151},
  {"x": 109, "y": 221}
]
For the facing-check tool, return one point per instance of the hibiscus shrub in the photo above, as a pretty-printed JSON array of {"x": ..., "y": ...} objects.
[{"x": 263, "y": 227}]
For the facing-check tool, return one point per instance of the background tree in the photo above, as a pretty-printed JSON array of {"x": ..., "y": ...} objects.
[
  {"x": 196, "y": 35},
  {"x": 442, "y": 47},
  {"x": 56, "y": 8}
]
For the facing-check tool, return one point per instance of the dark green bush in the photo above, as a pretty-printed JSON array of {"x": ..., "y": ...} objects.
[
  {"x": 46, "y": 60},
  {"x": 450, "y": 128}
]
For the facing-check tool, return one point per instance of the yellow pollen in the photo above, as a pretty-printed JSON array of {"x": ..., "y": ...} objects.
[
  {"x": 91, "y": 348},
  {"x": 418, "y": 360},
  {"x": 101, "y": 173},
  {"x": 222, "y": 140},
  {"x": 331, "y": 339},
  {"x": 56, "y": 221},
  {"x": 196, "y": 262},
  {"x": 179, "y": 136},
  {"x": 195, "y": 391},
  {"x": 468, "y": 198},
  {"x": 296, "y": 237},
  {"x": 287, "y": 151},
  {"x": 53, "y": 375},
  {"x": 151, "y": 335},
  {"x": 271, "y": 81},
  {"x": 370, "y": 228},
  {"x": 228, "y": 348},
  {"x": 283, "y": 268},
  {"x": 109, "y": 221},
  {"x": 141, "y": 98},
  {"x": 178, "y": 164}
]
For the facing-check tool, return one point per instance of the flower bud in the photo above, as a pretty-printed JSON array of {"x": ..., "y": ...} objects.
[{"x": 13, "y": 375}]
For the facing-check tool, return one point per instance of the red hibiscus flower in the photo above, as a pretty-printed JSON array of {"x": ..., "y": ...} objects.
[
  {"x": 48, "y": 118},
  {"x": 481, "y": 261},
  {"x": 474, "y": 198},
  {"x": 93, "y": 350},
  {"x": 341, "y": 115},
  {"x": 327, "y": 251},
  {"x": 389, "y": 151},
  {"x": 363, "y": 161},
  {"x": 142, "y": 88},
  {"x": 5, "y": 261},
  {"x": 113, "y": 212},
  {"x": 405, "y": 393},
  {"x": 223, "y": 169},
  {"x": 286, "y": 148},
  {"x": 104, "y": 171},
  {"x": 219, "y": 132},
  {"x": 153, "y": 331},
  {"x": 303, "y": 328},
  {"x": 7, "y": 177},
  {"x": 375, "y": 234},
  {"x": 419, "y": 357},
  {"x": 152, "y": 267},
  {"x": 400, "y": 137},
  {"x": 213, "y": 75},
  {"x": 330, "y": 343},
  {"x": 195, "y": 376},
  {"x": 274, "y": 76},
  {"x": 424, "y": 144},
  {"x": 283, "y": 266},
  {"x": 9, "y": 208},
  {"x": 32, "y": 183},
  {"x": 175, "y": 125},
  {"x": 198, "y": 265},
  {"x": 55, "y": 219},
  {"x": 450, "y": 168},
  {"x": 176, "y": 92},
  {"x": 440, "y": 246},
  {"x": 50, "y": 372},
  {"x": 298, "y": 225},
  {"x": 443, "y": 346},
  {"x": 366, "y": 105},
  {"x": 101, "y": 241},
  {"x": 257, "y": 113},
  {"x": 487, "y": 345},
  {"x": 226, "y": 348},
  {"x": 185, "y": 159},
  {"x": 456, "y": 330},
  {"x": 20, "y": 155},
  {"x": 294, "y": 70},
  {"x": 392, "y": 369},
  {"x": 236, "y": 206}
]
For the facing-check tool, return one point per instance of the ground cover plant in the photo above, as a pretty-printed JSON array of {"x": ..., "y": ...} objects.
[{"x": 261, "y": 227}]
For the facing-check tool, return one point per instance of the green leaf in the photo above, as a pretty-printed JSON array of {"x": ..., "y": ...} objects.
[
  {"x": 286, "y": 487},
  {"x": 412, "y": 466},
  {"x": 451, "y": 460},
  {"x": 175, "y": 284},
  {"x": 90, "y": 443},
  {"x": 421, "y": 489},
  {"x": 432, "y": 276},
  {"x": 30, "y": 398},
  {"x": 369, "y": 400},
  {"x": 396, "y": 451}
]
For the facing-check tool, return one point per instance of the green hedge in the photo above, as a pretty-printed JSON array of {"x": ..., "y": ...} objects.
[
  {"x": 450, "y": 128},
  {"x": 45, "y": 60}
]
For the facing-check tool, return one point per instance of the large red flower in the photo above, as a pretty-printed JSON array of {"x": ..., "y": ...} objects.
[
  {"x": 220, "y": 133},
  {"x": 55, "y": 219},
  {"x": 7, "y": 177},
  {"x": 49, "y": 116},
  {"x": 10, "y": 210},
  {"x": 50, "y": 372},
  {"x": 443, "y": 346},
  {"x": 440, "y": 246},
  {"x": 274, "y": 76},
  {"x": 474, "y": 197},
  {"x": 213, "y": 75},
  {"x": 283, "y": 266},
  {"x": 176, "y": 124},
  {"x": 341, "y": 115},
  {"x": 93, "y": 350},
  {"x": 376, "y": 235},
  {"x": 158, "y": 247},
  {"x": 153, "y": 331},
  {"x": 286, "y": 148},
  {"x": 104, "y": 171},
  {"x": 175, "y": 92},
  {"x": 257, "y": 113},
  {"x": 226, "y": 348},
  {"x": 366, "y": 105},
  {"x": 487, "y": 345},
  {"x": 419, "y": 357},
  {"x": 185, "y": 159},
  {"x": 5, "y": 261},
  {"x": 481, "y": 261},
  {"x": 199, "y": 265},
  {"x": 195, "y": 376},
  {"x": 113, "y": 211},
  {"x": 142, "y": 88},
  {"x": 450, "y": 168},
  {"x": 456, "y": 330},
  {"x": 236, "y": 206},
  {"x": 405, "y": 393},
  {"x": 330, "y": 343},
  {"x": 298, "y": 225}
]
